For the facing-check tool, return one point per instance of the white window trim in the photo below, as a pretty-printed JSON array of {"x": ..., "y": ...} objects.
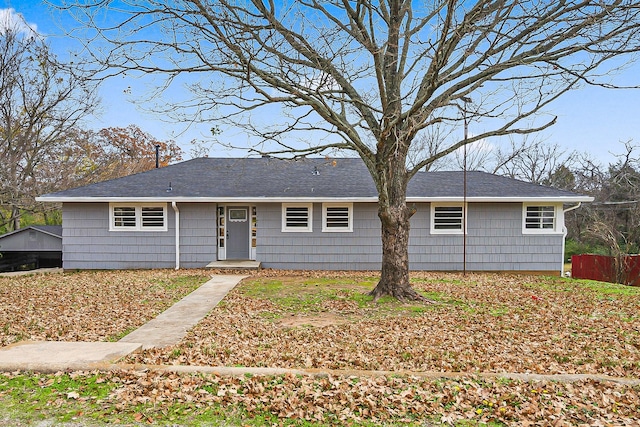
[
  {"x": 348, "y": 228},
  {"x": 308, "y": 228},
  {"x": 138, "y": 207},
  {"x": 558, "y": 220},
  {"x": 441, "y": 205}
]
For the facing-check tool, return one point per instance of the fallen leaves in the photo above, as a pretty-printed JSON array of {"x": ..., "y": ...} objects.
[
  {"x": 88, "y": 305},
  {"x": 347, "y": 400},
  {"x": 484, "y": 323}
]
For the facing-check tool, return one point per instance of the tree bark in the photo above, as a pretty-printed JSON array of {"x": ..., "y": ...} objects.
[
  {"x": 394, "y": 278},
  {"x": 15, "y": 218}
]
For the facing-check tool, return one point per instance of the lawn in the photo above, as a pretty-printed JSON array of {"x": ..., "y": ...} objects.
[
  {"x": 88, "y": 305},
  {"x": 479, "y": 323}
]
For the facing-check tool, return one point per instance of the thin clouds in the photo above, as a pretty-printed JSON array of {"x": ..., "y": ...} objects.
[{"x": 10, "y": 19}]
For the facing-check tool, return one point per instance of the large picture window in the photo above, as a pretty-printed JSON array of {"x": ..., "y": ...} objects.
[
  {"x": 337, "y": 217},
  {"x": 297, "y": 217},
  {"x": 137, "y": 217},
  {"x": 539, "y": 218},
  {"x": 447, "y": 219}
]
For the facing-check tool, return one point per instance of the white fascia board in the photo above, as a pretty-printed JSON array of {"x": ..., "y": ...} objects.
[
  {"x": 63, "y": 199},
  {"x": 501, "y": 199}
]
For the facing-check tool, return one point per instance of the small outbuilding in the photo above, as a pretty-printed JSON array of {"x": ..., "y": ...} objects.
[{"x": 35, "y": 246}]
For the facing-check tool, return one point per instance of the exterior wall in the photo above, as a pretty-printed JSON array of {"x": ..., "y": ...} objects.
[
  {"x": 30, "y": 240},
  {"x": 495, "y": 242},
  {"x": 198, "y": 239},
  {"x": 88, "y": 243},
  {"x": 356, "y": 250}
]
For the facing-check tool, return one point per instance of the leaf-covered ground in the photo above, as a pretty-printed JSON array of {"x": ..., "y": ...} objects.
[
  {"x": 481, "y": 323},
  {"x": 153, "y": 398},
  {"x": 88, "y": 305}
]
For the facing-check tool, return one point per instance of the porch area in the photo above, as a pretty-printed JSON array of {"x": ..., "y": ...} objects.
[{"x": 235, "y": 264}]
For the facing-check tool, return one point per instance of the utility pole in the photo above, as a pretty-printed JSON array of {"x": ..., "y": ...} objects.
[{"x": 466, "y": 100}]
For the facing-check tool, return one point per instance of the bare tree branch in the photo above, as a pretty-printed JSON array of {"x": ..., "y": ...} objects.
[
  {"x": 41, "y": 102},
  {"x": 371, "y": 75}
]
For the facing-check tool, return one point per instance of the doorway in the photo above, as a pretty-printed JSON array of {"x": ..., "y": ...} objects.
[{"x": 238, "y": 232}]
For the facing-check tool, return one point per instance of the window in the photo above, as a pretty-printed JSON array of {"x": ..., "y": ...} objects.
[
  {"x": 297, "y": 217},
  {"x": 137, "y": 217},
  {"x": 152, "y": 217},
  {"x": 124, "y": 216},
  {"x": 446, "y": 219},
  {"x": 237, "y": 215},
  {"x": 337, "y": 217},
  {"x": 539, "y": 218}
]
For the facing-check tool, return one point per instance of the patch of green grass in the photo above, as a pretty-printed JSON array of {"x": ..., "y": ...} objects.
[
  {"x": 63, "y": 397},
  {"x": 190, "y": 282},
  {"x": 606, "y": 289},
  {"x": 88, "y": 400},
  {"x": 602, "y": 289},
  {"x": 119, "y": 336},
  {"x": 499, "y": 311},
  {"x": 303, "y": 295}
]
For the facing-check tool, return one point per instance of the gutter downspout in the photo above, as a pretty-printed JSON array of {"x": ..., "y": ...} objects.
[
  {"x": 174, "y": 205},
  {"x": 564, "y": 235}
]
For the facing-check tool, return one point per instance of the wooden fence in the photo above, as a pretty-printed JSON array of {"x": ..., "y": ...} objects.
[{"x": 625, "y": 269}]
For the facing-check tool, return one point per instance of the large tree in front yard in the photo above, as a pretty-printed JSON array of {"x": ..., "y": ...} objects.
[{"x": 366, "y": 76}]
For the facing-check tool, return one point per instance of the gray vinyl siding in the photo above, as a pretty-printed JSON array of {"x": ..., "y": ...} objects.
[
  {"x": 30, "y": 240},
  {"x": 318, "y": 250},
  {"x": 495, "y": 242},
  {"x": 88, "y": 243},
  {"x": 197, "y": 234}
]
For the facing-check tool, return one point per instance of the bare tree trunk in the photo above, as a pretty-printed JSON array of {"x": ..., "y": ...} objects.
[
  {"x": 15, "y": 218},
  {"x": 394, "y": 279}
]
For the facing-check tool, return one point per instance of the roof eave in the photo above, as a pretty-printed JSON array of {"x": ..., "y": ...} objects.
[
  {"x": 546, "y": 199},
  {"x": 508, "y": 199}
]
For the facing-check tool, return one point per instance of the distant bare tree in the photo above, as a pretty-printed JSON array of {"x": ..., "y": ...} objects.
[
  {"x": 533, "y": 161},
  {"x": 41, "y": 101},
  {"x": 366, "y": 76},
  {"x": 612, "y": 221}
]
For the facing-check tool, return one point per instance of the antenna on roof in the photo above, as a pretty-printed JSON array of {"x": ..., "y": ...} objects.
[{"x": 169, "y": 188}]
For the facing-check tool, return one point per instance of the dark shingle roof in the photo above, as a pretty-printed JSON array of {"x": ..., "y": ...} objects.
[{"x": 316, "y": 178}]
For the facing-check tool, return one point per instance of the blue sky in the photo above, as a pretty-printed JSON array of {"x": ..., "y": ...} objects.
[{"x": 592, "y": 119}]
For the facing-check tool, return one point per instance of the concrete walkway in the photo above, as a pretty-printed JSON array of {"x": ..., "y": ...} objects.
[
  {"x": 32, "y": 272},
  {"x": 172, "y": 325},
  {"x": 166, "y": 329}
]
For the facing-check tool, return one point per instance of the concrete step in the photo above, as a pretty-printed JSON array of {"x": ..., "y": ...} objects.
[{"x": 235, "y": 264}]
